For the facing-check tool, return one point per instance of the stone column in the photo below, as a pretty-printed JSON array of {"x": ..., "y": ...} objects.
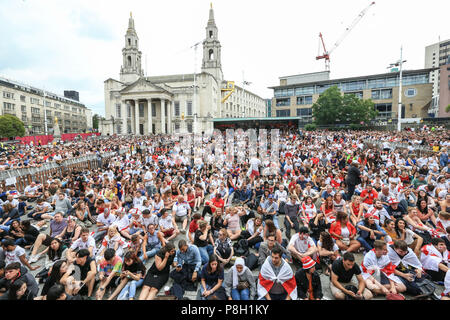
[
  {"x": 149, "y": 115},
  {"x": 124, "y": 117},
  {"x": 163, "y": 116},
  {"x": 169, "y": 116},
  {"x": 136, "y": 114}
]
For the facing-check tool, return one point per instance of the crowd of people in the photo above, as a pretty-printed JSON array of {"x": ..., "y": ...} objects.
[{"x": 231, "y": 230}]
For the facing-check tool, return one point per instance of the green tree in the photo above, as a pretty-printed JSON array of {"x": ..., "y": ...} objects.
[
  {"x": 333, "y": 108},
  {"x": 325, "y": 110},
  {"x": 95, "y": 120},
  {"x": 447, "y": 109},
  {"x": 11, "y": 127}
]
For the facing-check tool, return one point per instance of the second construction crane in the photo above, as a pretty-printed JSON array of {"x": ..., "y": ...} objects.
[{"x": 326, "y": 54}]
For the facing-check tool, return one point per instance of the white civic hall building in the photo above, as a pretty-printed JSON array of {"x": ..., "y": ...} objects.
[{"x": 168, "y": 104}]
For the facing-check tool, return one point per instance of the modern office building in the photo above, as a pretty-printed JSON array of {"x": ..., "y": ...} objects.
[
  {"x": 436, "y": 56},
  {"x": 444, "y": 92},
  {"x": 296, "y": 94},
  {"x": 181, "y": 103},
  {"x": 38, "y": 109}
]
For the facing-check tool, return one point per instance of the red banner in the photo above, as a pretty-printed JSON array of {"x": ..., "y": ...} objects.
[{"x": 45, "y": 139}]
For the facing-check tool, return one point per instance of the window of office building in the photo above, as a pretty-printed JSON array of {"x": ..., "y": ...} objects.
[
  {"x": 304, "y": 112},
  {"x": 284, "y": 113},
  {"x": 384, "y": 110},
  {"x": 411, "y": 92},
  {"x": 304, "y": 90},
  {"x": 23, "y": 109},
  {"x": 358, "y": 94},
  {"x": 24, "y": 118},
  {"x": 177, "y": 126},
  {"x": 35, "y": 110},
  {"x": 321, "y": 88},
  {"x": 189, "y": 108},
  {"x": 153, "y": 109},
  {"x": 57, "y": 105},
  {"x": 189, "y": 127},
  {"x": 283, "y": 102},
  {"x": 128, "y": 111},
  {"x": 34, "y": 101},
  {"x": 304, "y": 100},
  {"x": 382, "y": 94},
  {"x": 353, "y": 85},
  {"x": 23, "y": 98}
]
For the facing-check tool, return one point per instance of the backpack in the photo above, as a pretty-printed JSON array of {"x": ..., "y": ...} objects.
[
  {"x": 241, "y": 248},
  {"x": 427, "y": 288},
  {"x": 353, "y": 289}
]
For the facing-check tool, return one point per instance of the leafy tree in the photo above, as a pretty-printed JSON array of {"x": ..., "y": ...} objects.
[
  {"x": 333, "y": 108},
  {"x": 310, "y": 127},
  {"x": 95, "y": 120},
  {"x": 11, "y": 126},
  {"x": 325, "y": 110},
  {"x": 447, "y": 109}
]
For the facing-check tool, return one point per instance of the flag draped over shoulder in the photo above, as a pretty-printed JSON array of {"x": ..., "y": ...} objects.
[{"x": 285, "y": 277}]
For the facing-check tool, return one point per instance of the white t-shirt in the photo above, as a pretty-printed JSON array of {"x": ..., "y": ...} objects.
[
  {"x": 166, "y": 223},
  {"x": 254, "y": 164},
  {"x": 123, "y": 223},
  {"x": 301, "y": 245},
  {"x": 281, "y": 195},
  {"x": 31, "y": 190},
  {"x": 180, "y": 209},
  {"x": 106, "y": 221},
  {"x": 80, "y": 244},
  {"x": 14, "y": 255}
]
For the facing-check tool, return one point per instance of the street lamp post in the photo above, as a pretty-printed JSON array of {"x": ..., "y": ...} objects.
[{"x": 399, "y": 63}]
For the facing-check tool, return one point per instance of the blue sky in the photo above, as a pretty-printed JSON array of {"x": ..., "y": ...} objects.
[{"x": 76, "y": 44}]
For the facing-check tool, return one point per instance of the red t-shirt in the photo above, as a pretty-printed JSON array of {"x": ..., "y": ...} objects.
[
  {"x": 219, "y": 203},
  {"x": 371, "y": 196}
]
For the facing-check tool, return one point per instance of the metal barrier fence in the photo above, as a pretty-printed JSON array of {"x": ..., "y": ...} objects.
[
  {"x": 418, "y": 150},
  {"x": 20, "y": 178}
]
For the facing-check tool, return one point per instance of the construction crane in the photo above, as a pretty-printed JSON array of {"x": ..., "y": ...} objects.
[
  {"x": 326, "y": 54},
  {"x": 230, "y": 87}
]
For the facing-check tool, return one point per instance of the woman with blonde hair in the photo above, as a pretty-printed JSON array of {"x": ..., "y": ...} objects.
[{"x": 112, "y": 240}]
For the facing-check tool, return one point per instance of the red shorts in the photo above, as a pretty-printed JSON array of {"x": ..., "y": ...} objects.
[
  {"x": 254, "y": 173},
  {"x": 168, "y": 233}
]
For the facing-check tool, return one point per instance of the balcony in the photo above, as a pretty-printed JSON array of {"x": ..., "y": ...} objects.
[{"x": 11, "y": 112}]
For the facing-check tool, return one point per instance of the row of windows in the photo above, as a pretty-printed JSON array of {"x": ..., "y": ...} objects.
[
  {"x": 354, "y": 85},
  {"x": 10, "y": 95},
  {"x": 382, "y": 94},
  {"x": 384, "y": 111}
]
